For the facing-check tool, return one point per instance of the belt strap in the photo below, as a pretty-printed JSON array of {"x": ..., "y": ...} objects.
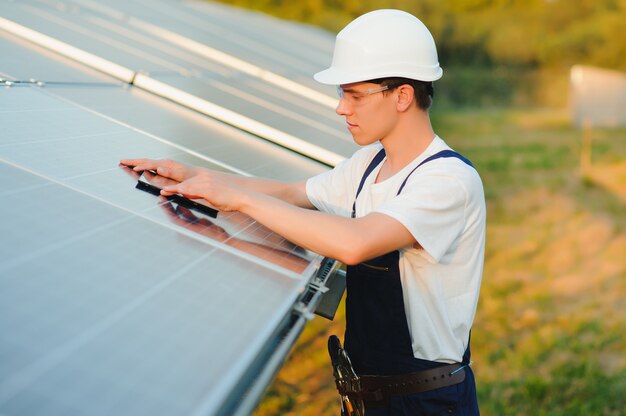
[{"x": 381, "y": 388}]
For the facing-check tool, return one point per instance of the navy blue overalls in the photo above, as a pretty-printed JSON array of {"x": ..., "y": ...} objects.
[{"x": 377, "y": 336}]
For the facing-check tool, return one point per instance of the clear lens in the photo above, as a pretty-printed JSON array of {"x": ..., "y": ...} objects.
[{"x": 354, "y": 96}]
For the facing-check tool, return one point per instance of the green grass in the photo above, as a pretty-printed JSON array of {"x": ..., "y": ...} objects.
[{"x": 548, "y": 337}]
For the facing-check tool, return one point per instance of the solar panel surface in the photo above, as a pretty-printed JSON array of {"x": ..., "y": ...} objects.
[
  {"x": 155, "y": 40},
  {"x": 115, "y": 301},
  {"x": 108, "y": 313},
  {"x": 107, "y": 97}
]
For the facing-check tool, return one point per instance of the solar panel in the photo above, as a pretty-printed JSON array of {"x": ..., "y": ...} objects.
[
  {"x": 183, "y": 60},
  {"x": 133, "y": 334},
  {"x": 165, "y": 120},
  {"x": 288, "y": 49},
  {"x": 116, "y": 301}
]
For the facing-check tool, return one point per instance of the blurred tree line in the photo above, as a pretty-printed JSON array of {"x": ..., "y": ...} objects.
[{"x": 516, "y": 51}]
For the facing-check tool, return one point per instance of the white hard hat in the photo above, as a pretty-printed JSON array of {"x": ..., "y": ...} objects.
[{"x": 383, "y": 44}]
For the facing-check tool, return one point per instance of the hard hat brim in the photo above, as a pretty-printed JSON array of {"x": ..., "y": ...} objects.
[{"x": 334, "y": 76}]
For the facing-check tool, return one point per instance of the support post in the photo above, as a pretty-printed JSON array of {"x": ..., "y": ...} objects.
[{"x": 585, "y": 153}]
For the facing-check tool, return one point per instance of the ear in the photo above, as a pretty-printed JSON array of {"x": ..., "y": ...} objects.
[{"x": 405, "y": 97}]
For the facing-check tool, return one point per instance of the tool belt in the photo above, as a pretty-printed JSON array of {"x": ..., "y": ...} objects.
[{"x": 375, "y": 391}]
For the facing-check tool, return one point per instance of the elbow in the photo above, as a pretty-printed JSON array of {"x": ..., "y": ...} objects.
[
  {"x": 357, "y": 246},
  {"x": 354, "y": 255},
  {"x": 349, "y": 260}
]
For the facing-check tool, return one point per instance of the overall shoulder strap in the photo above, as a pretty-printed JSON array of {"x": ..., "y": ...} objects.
[
  {"x": 443, "y": 153},
  {"x": 375, "y": 162}
]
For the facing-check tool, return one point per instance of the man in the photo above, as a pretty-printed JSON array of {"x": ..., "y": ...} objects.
[{"x": 405, "y": 213}]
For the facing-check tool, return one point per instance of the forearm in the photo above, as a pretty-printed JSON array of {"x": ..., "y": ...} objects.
[
  {"x": 293, "y": 193},
  {"x": 310, "y": 229},
  {"x": 349, "y": 240}
]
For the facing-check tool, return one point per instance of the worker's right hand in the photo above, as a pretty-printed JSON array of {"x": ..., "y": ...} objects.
[{"x": 168, "y": 168}]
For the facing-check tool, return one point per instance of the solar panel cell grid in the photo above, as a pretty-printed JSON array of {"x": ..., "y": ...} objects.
[
  {"x": 74, "y": 312},
  {"x": 136, "y": 108},
  {"x": 140, "y": 46}
]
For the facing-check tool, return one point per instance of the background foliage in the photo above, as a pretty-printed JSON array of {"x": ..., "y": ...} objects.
[{"x": 494, "y": 52}]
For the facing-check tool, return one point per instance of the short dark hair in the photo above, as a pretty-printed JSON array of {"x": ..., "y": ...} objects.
[{"x": 424, "y": 91}]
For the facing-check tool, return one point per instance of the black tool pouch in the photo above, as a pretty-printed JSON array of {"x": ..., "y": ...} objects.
[{"x": 346, "y": 379}]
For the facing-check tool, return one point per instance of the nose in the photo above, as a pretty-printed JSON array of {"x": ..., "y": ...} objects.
[{"x": 342, "y": 108}]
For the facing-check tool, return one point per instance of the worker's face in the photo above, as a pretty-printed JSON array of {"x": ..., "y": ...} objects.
[{"x": 370, "y": 113}]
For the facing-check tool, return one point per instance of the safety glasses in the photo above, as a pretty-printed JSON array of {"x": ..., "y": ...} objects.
[{"x": 356, "y": 96}]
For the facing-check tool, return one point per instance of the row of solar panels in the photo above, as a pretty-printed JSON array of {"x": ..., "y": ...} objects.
[
  {"x": 174, "y": 55},
  {"x": 113, "y": 301}
]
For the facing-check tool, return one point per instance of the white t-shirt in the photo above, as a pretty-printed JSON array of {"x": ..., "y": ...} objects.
[{"x": 443, "y": 207}]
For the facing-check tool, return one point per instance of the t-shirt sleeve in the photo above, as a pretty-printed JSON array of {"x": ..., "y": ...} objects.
[
  {"x": 432, "y": 208},
  {"x": 333, "y": 191}
]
